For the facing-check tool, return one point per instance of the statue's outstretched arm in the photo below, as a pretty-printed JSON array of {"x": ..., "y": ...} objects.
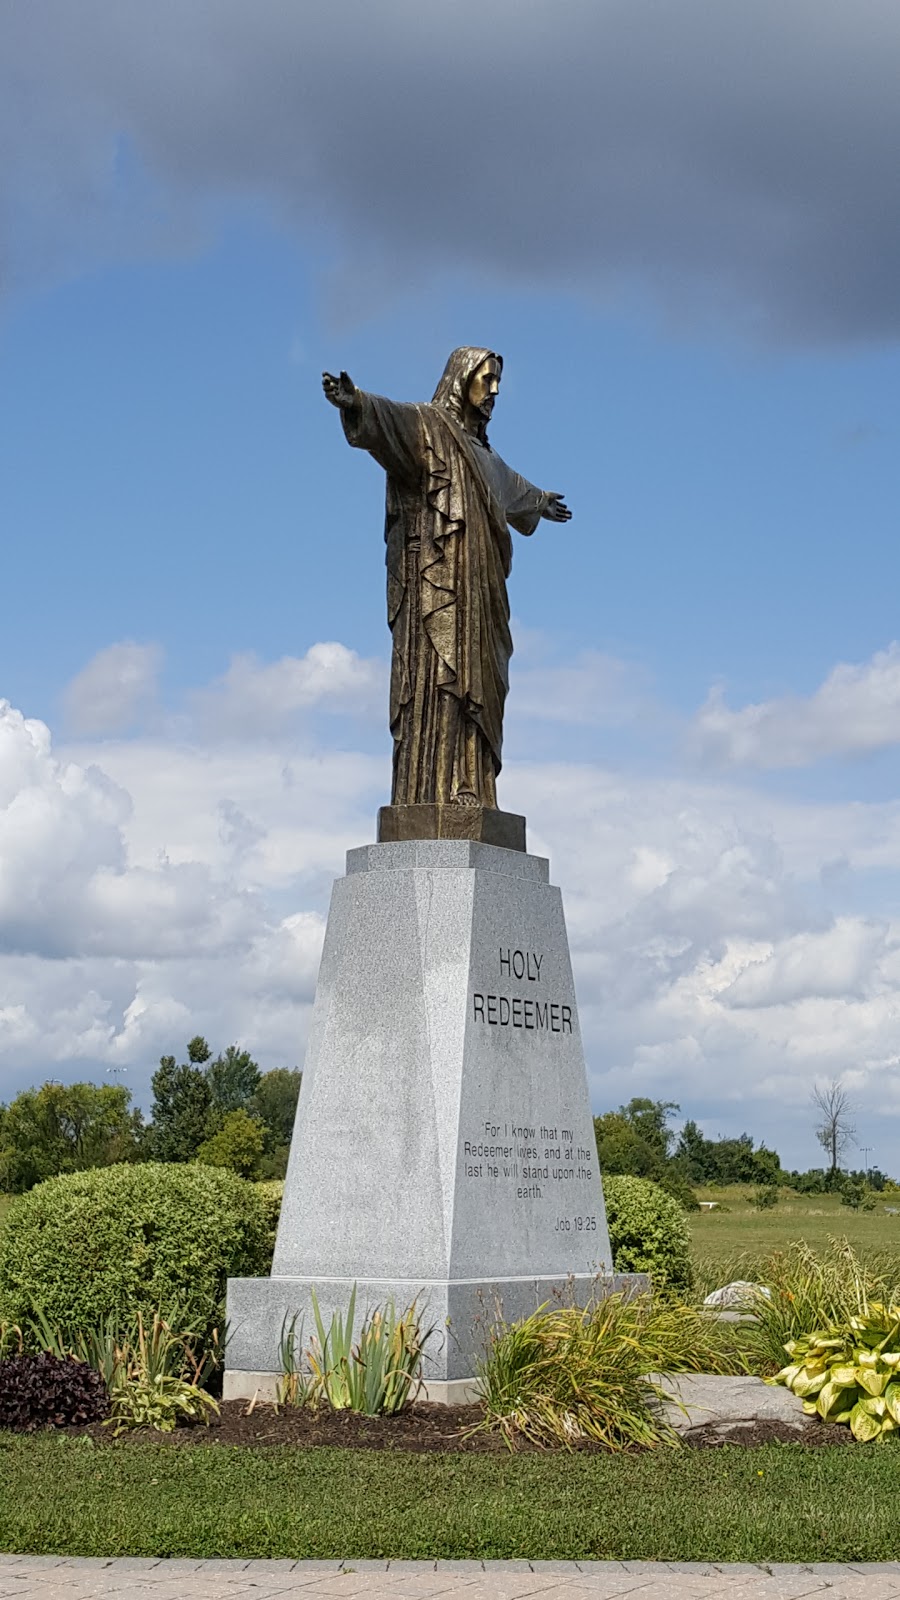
[
  {"x": 388, "y": 429},
  {"x": 341, "y": 391},
  {"x": 556, "y": 509}
]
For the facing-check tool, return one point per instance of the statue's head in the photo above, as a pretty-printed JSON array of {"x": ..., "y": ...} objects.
[{"x": 469, "y": 387}]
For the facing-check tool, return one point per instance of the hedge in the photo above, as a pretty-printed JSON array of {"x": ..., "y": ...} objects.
[
  {"x": 648, "y": 1232},
  {"x": 90, "y": 1246}
]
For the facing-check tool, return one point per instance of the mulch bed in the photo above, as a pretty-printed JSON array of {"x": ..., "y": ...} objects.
[{"x": 421, "y": 1429}]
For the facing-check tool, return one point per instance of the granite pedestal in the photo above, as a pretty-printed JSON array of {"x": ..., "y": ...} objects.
[{"x": 444, "y": 1147}]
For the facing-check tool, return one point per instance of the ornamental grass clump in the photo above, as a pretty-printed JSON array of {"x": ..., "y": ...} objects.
[
  {"x": 851, "y": 1373},
  {"x": 566, "y": 1375},
  {"x": 378, "y": 1375},
  {"x": 810, "y": 1291}
]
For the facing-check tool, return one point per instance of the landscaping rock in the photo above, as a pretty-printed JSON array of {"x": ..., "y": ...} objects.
[
  {"x": 726, "y": 1404},
  {"x": 737, "y": 1296}
]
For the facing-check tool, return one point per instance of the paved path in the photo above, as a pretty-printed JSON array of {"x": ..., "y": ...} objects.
[{"x": 67, "y": 1578}]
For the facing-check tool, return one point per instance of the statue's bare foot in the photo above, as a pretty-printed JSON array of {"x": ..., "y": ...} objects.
[{"x": 465, "y": 798}]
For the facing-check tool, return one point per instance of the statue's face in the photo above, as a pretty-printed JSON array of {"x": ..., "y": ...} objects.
[{"x": 483, "y": 387}]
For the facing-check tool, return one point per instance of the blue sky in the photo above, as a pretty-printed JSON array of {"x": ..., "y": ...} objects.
[{"x": 683, "y": 240}]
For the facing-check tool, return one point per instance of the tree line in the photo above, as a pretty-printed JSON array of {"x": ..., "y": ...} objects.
[
  {"x": 224, "y": 1112},
  {"x": 218, "y": 1110},
  {"x": 638, "y": 1140}
]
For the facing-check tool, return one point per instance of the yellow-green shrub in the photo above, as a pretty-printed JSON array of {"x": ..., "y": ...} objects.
[
  {"x": 648, "y": 1232},
  {"x": 88, "y": 1247}
]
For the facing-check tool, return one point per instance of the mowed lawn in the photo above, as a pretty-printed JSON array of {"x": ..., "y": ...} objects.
[
  {"x": 61, "y": 1495},
  {"x": 720, "y": 1238}
]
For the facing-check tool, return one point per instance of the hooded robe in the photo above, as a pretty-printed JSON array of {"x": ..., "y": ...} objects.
[{"x": 451, "y": 501}]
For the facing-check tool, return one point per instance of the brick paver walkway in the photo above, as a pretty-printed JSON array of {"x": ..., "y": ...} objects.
[{"x": 68, "y": 1578}]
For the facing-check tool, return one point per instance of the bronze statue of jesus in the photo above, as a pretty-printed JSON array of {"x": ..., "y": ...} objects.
[{"x": 451, "y": 502}]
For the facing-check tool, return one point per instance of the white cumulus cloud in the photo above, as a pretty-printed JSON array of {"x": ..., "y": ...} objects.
[
  {"x": 115, "y": 690},
  {"x": 156, "y": 886},
  {"x": 856, "y": 710},
  {"x": 256, "y": 700}
]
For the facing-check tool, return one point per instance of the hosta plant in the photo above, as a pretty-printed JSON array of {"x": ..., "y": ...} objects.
[
  {"x": 850, "y": 1373},
  {"x": 163, "y": 1403}
]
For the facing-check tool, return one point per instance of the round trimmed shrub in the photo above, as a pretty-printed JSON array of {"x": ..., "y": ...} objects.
[
  {"x": 271, "y": 1193},
  {"x": 648, "y": 1233},
  {"x": 90, "y": 1246}
]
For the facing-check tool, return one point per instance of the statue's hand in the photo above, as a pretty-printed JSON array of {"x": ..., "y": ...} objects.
[
  {"x": 340, "y": 391},
  {"x": 556, "y": 509}
]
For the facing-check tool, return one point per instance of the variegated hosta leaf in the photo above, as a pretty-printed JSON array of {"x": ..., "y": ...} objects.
[
  {"x": 804, "y": 1385},
  {"x": 845, "y": 1376},
  {"x": 874, "y": 1406},
  {"x": 873, "y": 1382},
  {"x": 810, "y": 1408},
  {"x": 891, "y": 1358},
  {"x": 831, "y": 1398},
  {"x": 892, "y": 1400},
  {"x": 867, "y": 1358},
  {"x": 862, "y": 1425}
]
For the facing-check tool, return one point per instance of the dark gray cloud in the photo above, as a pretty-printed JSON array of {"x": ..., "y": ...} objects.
[{"x": 715, "y": 156}]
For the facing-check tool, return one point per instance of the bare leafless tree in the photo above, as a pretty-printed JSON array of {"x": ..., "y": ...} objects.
[{"x": 835, "y": 1131}]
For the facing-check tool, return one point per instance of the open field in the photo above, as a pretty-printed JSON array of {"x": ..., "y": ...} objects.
[
  {"x": 720, "y": 1237},
  {"x": 68, "y": 1495}
]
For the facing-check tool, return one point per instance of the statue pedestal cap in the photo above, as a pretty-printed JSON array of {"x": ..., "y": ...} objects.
[
  {"x": 480, "y": 824},
  {"x": 444, "y": 1147}
]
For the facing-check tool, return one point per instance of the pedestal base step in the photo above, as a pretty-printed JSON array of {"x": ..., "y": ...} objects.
[
  {"x": 263, "y": 1386},
  {"x": 461, "y": 1315}
]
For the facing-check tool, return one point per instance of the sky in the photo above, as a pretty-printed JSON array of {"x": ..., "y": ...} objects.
[{"x": 680, "y": 227}]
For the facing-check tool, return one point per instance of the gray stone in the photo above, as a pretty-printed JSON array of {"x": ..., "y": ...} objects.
[
  {"x": 738, "y": 1296},
  {"x": 699, "y": 1400},
  {"x": 444, "y": 1147}
]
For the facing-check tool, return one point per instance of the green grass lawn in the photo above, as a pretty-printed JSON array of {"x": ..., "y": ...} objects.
[
  {"x": 779, "y": 1503},
  {"x": 719, "y": 1238}
]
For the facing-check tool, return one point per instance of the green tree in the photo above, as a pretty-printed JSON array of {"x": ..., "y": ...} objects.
[
  {"x": 65, "y": 1128},
  {"x": 233, "y": 1081},
  {"x": 275, "y": 1104},
  {"x": 694, "y": 1154},
  {"x": 621, "y": 1149},
  {"x": 181, "y": 1105},
  {"x": 650, "y": 1119},
  {"x": 855, "y": 1194},
  {"x": 237, "y": 1145},
  {"x": 635, "y": 1142},
  {"x": 724, "y": 1161}
]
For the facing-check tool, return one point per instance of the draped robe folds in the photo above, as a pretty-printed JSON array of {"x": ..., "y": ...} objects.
[{"x": 450, "y": 503}]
